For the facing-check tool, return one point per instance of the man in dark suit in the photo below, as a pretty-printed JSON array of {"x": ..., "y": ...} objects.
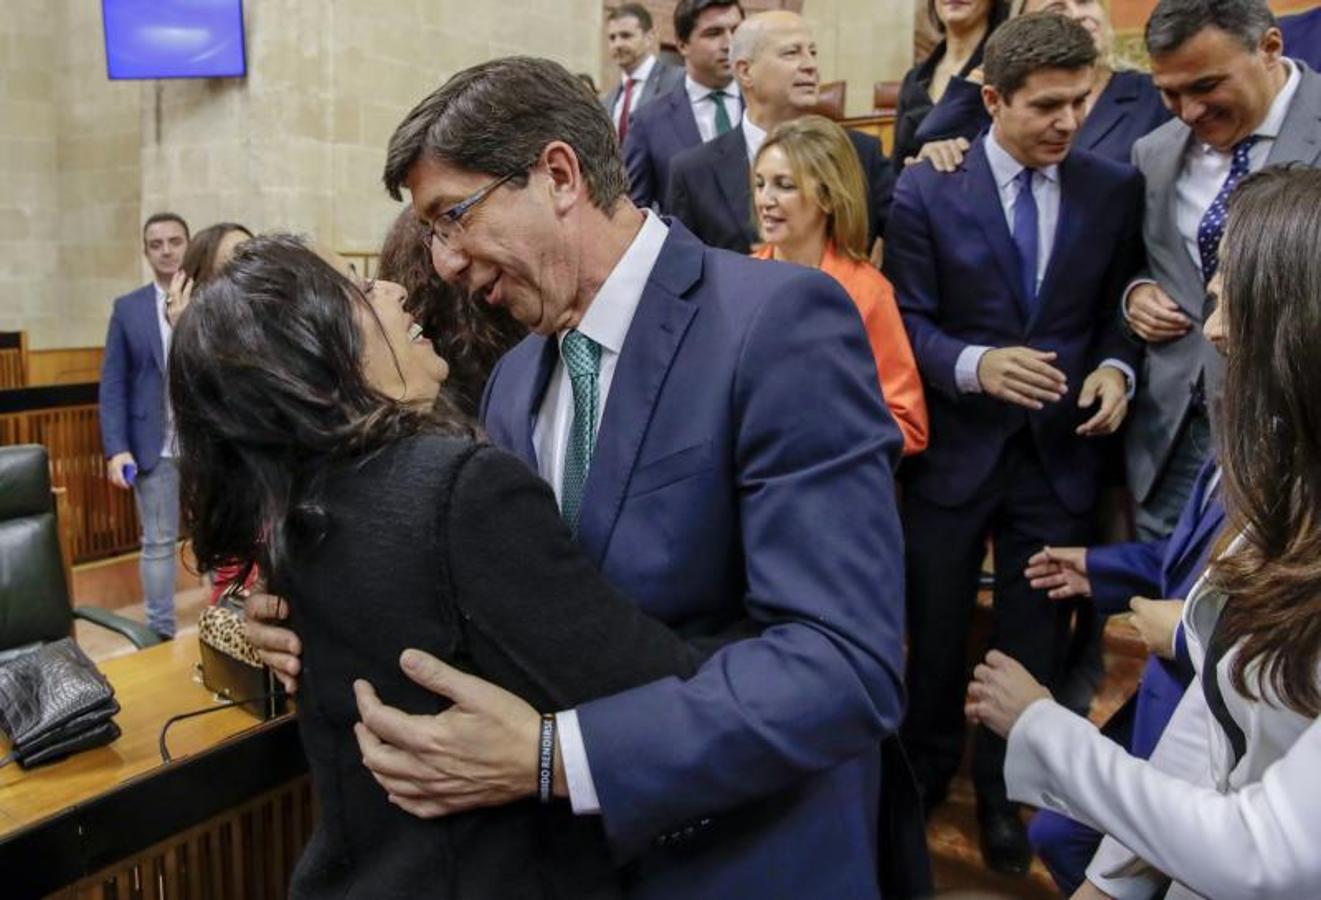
[
  {"x": 1302, "y": 36},
  {"x": 642, "y": 77},
  {"x": 1007, "y": 272},
  {"x": 708, "y": 106},
  {"x": 710, "y": 186},
  {"x": 712, "y": 428},
  {"x": 1240, "y": 104},
  {"x": 136, "y": 432}
]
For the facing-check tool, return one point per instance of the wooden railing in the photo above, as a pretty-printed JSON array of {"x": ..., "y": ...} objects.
[
  {"x": 102, "y": 520},
  {"x": 13, "y": 359}
]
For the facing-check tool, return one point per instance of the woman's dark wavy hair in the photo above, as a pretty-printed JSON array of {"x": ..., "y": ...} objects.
[
  {"x": 1270, "y": 434},
  {"x": 267, "y": 389},
  {"x": 468, "y": 334},
  {"x": 199, "y": 260},
  {"x": 996, "y": 14}
]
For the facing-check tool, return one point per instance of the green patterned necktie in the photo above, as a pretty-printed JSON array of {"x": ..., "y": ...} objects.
[
  {"x": 582, "y": 360},
  {"x": 722, "y": 114}
]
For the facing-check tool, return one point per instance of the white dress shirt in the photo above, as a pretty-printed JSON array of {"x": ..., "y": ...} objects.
[
  {"x": 1205, "y": 168},
  {"x": 754, "y": 135},
  {"x": 167, "y": 332},
  {"x": 606, "y": 321},
  {"x": 639, "y": 78},
  {"x": 1046, "y": 192},
  {"x": 704, "y": 108}
]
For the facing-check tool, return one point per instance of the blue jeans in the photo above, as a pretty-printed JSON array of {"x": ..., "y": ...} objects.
[{"x": 157, "y": 496}]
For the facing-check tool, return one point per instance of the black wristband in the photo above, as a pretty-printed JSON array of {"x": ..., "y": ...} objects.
[{"x": 546, "y": 759}]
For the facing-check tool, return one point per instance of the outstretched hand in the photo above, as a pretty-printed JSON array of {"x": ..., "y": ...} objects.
[
  {"x": 479, "y": 752},
  {"x": 1001, "y": 690},
  {"x": 1060, "y": 571}
]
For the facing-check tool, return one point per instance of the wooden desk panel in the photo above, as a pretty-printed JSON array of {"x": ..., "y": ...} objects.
[{"x": 151, "y": 685}]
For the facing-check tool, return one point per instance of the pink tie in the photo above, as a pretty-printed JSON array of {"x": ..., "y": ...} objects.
[{"x": 625, "y": 109}]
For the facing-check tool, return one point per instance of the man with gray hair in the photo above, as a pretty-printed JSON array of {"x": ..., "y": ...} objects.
[
  {"x": 775, "y": 64},
  {"x": 1240, "y": 104}
]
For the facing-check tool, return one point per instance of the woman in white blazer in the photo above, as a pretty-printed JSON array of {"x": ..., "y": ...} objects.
[{"x": 1229, "y": 805}]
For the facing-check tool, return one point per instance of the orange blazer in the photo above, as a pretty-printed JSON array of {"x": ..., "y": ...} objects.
[{"x": 896, "y": 368}]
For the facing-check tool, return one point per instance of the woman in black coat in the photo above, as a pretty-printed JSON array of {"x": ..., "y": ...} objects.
[
  {"x": 964, "y": 25},
  {"x": 312, "y": 444}
]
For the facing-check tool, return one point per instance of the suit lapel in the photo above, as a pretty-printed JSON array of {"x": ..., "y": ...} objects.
[
  {"x": 1205, "y": 525},
  {"x": 527, "y": 398},
  {"x": 1300, "y": 133},
  {"x": 984, "y": 200},
  {"x": 653, "y": 340},
  {"x": 1163, "y": 171},
  {"x": 731, "y": 173},
  {"x": 682, "y": 119},
  {"x": 151, "y": 325}
]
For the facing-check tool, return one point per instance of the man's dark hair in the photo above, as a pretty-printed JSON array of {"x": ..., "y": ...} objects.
[
  {"x": 686, "y": 13},
  {"x": 1033, "y": 42},
  {"x": 1174, "y": 22},
  {"x": 635, "y": 10},
  {"x": 164, "y": 217},
  {"x": 498, "y": 116}
]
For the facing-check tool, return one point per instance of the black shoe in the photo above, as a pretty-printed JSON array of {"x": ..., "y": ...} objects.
[{"x": 1003, "y": 839}]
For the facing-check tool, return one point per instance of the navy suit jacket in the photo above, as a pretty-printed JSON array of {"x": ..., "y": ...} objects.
[
  {"x": 710, "y": 189},
  {"x": 1165, "y": 568},
  {"x": 951, "y": 258},
  {"x": 132, "y": 391},
  {"x": 1129, "y": 108},
  {"x": 659, "y": 131},
  {"x": 1302, "y": 37},
  {"x": 742, "y": 471}
]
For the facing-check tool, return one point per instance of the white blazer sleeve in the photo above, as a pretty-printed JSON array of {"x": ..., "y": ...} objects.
[{"x": 1258, "y": 842}]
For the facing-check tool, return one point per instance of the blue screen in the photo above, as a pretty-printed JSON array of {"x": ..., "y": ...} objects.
[{"x": 173, "y": 38}]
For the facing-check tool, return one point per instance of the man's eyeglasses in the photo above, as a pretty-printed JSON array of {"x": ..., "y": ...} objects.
[{"x": 448, "y": 224}]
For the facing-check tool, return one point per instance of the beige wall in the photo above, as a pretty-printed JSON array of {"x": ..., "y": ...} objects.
[{"x": 862, "y": 42}]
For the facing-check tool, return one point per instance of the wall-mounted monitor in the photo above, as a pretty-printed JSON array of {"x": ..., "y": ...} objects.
[{"x": 174, "y": 38}]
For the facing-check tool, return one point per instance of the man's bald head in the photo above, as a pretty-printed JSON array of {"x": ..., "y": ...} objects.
[{"x": 774, "y": 57}]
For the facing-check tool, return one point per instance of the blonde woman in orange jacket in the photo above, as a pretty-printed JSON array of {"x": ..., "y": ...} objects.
[{"x": 810, "y": 199}]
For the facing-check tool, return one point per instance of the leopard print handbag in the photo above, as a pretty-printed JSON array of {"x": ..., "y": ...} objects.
[{"x": 230, "y": 665}]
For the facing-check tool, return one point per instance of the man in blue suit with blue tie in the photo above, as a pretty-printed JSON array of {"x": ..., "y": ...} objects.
[
  {"x": 713, "y": 431},
  {"x": 1007, "y": 274},
  {"x": 136, "y": 431}
]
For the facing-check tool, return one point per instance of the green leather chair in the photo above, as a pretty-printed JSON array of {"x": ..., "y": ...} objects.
[{"x": 34, "y": 593}]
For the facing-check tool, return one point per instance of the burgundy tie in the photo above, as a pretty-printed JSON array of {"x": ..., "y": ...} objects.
[{"x": 625, "y": 109}]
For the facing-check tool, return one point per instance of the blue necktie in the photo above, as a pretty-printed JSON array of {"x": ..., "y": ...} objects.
[
  {"x": 582, "y": 360},
  {"x": 1212, "y": 226},
  {"x": 1025, "y": 235}
]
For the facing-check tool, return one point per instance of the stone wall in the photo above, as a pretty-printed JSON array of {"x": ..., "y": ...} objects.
[{"x": 862, "y": 42}]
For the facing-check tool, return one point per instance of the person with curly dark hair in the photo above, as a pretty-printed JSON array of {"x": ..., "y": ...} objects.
[{"x": 468, "y": 334}]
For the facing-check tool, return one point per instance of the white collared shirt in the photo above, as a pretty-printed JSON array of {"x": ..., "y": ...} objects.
[
  {"x": 606, "y": 321},
  {"x": 1205, "y": 168},
  {"x": 704, "y": 109},
  {"x": 753, "y": 135},
  {"x": 639, "y": 78},
  {"x": 167, "y": 332},
  {"x": 1046, "y": 191}
]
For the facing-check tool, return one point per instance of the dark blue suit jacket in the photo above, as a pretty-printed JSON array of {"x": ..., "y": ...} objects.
[
  {"x": 657, "y": 133},
  {"x": 1302, "y": 37},
  {"x": 1127, "y": 109},
  {"x": 132, "y": 392},
  {"x": 742, "y": 471},
  {"x": 1165, "y": 568},
  {"x": 710, "y": 189},
  {"x": 950, "y": 256}
]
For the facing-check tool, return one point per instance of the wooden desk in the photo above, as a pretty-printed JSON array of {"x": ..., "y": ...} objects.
[{"x": 87, "y": 820}]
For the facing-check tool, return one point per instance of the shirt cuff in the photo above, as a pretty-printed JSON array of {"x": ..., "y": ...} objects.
[
  {"x": 582, "y": 790},
  {"x": 1130, "y": 377},
  {"x": 965, "y": 369},
  {"x": 1128, "y": 291}
]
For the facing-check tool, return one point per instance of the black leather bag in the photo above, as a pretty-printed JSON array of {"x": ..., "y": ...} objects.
[{"x": 54, "y": 702}]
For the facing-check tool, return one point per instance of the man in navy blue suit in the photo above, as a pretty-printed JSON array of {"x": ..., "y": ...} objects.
[
  {"x": 1302, "y": 36},
  {"x": 708, "y": 105},
  {"x": 1007, "y": 274},
  {"x": 775, "y": 62},
  {"x": 712, "y": 428},
  {"x": 136, "y": 432}
]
